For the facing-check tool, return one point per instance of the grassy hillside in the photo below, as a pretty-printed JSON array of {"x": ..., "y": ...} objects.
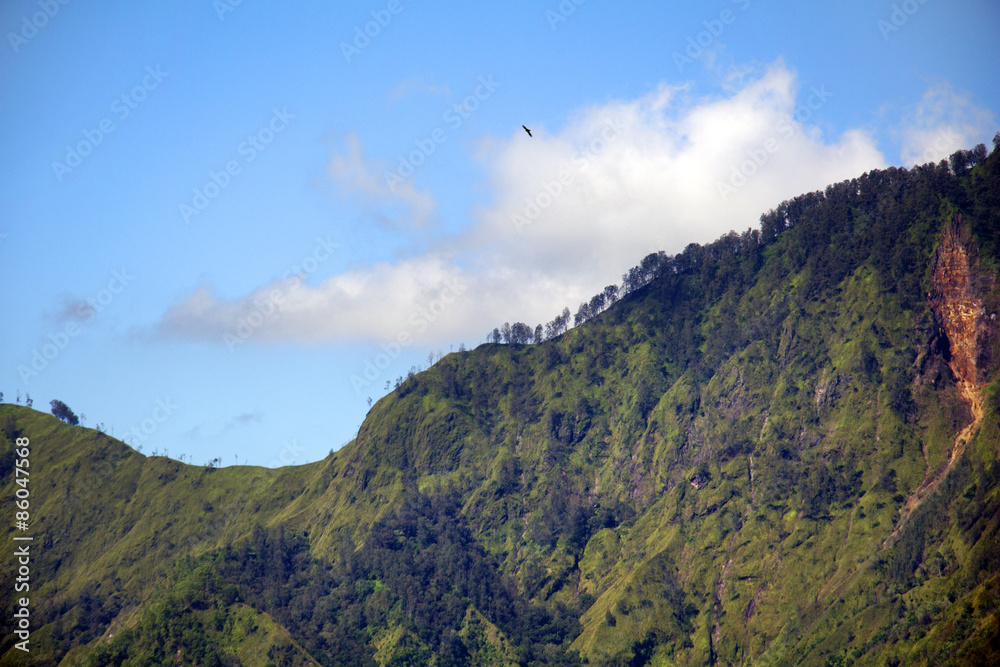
[{"x": 779, "y": 448}]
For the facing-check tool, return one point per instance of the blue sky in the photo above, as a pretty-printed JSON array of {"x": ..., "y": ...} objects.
[{"x": 217, "y": 216}]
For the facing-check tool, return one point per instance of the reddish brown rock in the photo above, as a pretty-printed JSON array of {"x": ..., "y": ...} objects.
[
  {"x": 956, "y": 288},
  {"x": 964, "y": 332}
]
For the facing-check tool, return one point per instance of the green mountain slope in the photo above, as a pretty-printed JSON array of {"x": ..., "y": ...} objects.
[{"x": 779, "y": 448}]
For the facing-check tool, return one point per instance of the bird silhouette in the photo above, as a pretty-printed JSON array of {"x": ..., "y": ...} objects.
[{"x": 527, "y": 130}]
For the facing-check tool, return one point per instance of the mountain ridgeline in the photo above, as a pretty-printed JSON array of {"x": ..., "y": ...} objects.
[{"x": 779, "y": 448}]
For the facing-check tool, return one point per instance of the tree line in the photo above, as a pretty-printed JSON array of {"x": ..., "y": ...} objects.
[
  {"x": 520, "y": 333},
  {"x": 729, "y": 246}
]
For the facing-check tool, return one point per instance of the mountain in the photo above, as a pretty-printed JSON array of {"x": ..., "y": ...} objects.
[{"x": 779, "y": 448}]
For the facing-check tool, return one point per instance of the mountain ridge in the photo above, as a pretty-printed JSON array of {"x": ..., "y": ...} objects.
[{"x": 714, "y": 470}]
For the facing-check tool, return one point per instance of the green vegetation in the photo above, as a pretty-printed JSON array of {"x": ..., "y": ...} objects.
[
  {"x": 62, "y": 411},
  {"x": 709, "y": 469}
]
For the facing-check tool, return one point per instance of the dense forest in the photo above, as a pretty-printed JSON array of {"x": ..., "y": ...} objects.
[{"x": 420, "y": 570}]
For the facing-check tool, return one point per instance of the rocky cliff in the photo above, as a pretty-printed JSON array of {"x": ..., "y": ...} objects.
[
  {"x": 964, "y": 329},
  {"x": 956, "y": 299}
]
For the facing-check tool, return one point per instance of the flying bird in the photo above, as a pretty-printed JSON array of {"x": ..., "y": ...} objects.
[{"x": 527, "y": 130}]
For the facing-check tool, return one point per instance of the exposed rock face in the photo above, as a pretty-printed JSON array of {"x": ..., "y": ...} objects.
[
  {"x": 957, "y": 304},
  {"x": 957, "y": 286},
  {"x": 827, "y": 392}
]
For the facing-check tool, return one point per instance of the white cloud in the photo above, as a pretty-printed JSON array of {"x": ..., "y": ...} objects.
[
  {"x": 658, "y": 173},
  {"x": 942, "y": 122},
  {"x": 378, "y": 302},
  {"x": 570, "y": 211},
  {"x": 365, "y": 178}
]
